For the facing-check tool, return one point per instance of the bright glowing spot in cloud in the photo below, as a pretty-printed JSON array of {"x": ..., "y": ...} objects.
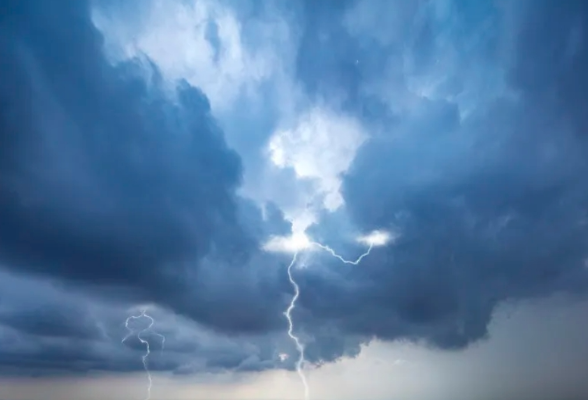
[
  {"x": 288, "y": 244},
  {"x": 377, "y": 238},
  {"x": 299, "y": 241}
]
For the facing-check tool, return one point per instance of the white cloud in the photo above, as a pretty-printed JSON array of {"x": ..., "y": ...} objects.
[
  {"x": 176, "y": 36},
  {"x": 320, "y": 146}
]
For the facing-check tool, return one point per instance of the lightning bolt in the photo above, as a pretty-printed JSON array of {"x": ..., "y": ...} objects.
[
  {"x": 288, "y": 314},
  {"x": 332, "y": 252},
  {"x": 145, "y": 342}
]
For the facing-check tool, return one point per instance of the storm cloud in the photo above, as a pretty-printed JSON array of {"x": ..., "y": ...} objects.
[
  {"x": 490, "y": 206},
  {"x": 118, "y": 186},
  {"x": 107, "y": 178}
]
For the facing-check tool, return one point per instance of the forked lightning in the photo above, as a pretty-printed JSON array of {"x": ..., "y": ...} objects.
[
  {"x": 300, "y": 243},
  {"x": 145, "y": 342}
]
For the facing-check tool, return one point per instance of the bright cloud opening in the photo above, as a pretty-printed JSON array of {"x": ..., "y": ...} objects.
[
  {"x": 320, "y": 146},
  {"x": 209, "y": 48}
]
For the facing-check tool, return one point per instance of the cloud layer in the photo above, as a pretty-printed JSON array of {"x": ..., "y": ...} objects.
[{"x": 460, "y": 129}]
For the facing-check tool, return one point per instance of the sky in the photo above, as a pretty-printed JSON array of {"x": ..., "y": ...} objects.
[{"x": 207, "y": 187}]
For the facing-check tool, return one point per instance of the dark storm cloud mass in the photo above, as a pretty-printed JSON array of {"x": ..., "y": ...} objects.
[
  {"x": 45, "y": 330},
  {"x": 489, "y": 207},
  {"x": 104, "y": 172},
  {"x": 106, "y": 177},
  {"x": 110, "y": 180}
]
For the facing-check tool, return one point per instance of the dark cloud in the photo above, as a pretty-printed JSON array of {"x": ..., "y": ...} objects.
[
  {"x": 44, "y": 331},
  {"x": 327, "y": 57},
  {"x": 108, "y": 178},
  {"x": 489, "y": 208},
  {"x": 61, "y": 320},
  {"x": 112, "y": 178},
  {"x": 486, "y": 190}
]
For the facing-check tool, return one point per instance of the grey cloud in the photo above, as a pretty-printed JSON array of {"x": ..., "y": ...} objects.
[
  {"x": 481, "y": 174},
  {"x": 47, "y": 331},
  {"x": 107, "y": 178},
  {"x": 327, "y": 57},
  {"x": 60, "y": 321},
  {"x": 105, "y": 161},
  {"x": 109, "y": 181},
  {"x": 489, "y": 208}
]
